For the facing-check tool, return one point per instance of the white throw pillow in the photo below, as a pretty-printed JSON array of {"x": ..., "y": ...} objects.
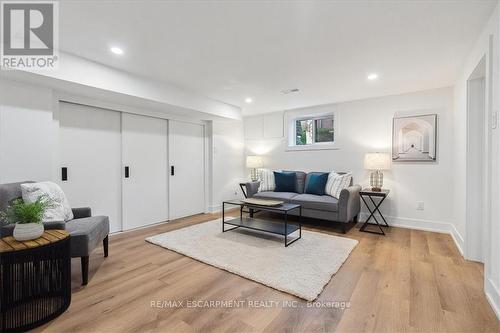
[
  {"x": 60, "y": 210},
  {"x": 266, "y": 178},
  {"x": 336, "y": 183}
]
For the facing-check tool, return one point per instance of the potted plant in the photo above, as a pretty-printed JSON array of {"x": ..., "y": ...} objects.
[{"x": 28, "y": 217}]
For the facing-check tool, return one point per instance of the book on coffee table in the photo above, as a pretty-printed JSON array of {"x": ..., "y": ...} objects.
[{"x": 262, "y": 202}]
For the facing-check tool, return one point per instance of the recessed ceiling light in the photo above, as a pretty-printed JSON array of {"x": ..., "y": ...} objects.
[
  {"x": 248, "y": 100},
  {"x": 116, "y": 50},
  {"x": 372, "y": 76}
]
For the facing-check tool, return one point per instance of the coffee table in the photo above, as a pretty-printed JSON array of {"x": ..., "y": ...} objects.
[{"x": 278, "y": 228}]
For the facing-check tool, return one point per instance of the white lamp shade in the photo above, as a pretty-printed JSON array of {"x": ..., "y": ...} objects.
[
  {"x": 254, "y": 161},
  {"x": 377, "y": 161}
]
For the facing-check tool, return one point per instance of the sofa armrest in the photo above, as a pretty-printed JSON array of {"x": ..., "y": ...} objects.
[
  {"x": 82, "y": 212},
  {"x": 349, "y": 203},
  {"x": 252, "y": 188}
]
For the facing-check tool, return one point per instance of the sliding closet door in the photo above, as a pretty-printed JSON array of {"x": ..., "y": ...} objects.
[
  {"x": 187, "y": 177},
  {"x": 90, "y": 150},
  {"x": 144, "y": 153}
]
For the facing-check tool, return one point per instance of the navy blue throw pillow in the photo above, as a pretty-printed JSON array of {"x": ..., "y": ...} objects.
[
  {"x": 316, "y": 183},
  {"x": 284, "y": 181}
]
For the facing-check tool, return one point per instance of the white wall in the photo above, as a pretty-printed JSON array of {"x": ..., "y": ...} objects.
[
  {"x": 486, "y": 46},
  {"x": 26, "y": 132},
  {"x": 366, "y": 126},
  {"x": 228, "y": 161},
  {"x": 29, "y": 134}
]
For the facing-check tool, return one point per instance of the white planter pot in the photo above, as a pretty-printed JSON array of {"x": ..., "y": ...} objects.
[{"x": 28, "y": 231}]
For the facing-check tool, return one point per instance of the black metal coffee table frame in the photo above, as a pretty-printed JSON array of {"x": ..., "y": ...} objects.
[{"x": 277, "y": 228}]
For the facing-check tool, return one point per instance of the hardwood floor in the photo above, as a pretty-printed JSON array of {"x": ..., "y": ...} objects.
[{"x": 407, "y": 281}]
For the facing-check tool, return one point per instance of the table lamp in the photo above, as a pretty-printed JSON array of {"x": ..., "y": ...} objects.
[
  {"x": 377, "y": 162},
  {"x": 254, "y": 162}
]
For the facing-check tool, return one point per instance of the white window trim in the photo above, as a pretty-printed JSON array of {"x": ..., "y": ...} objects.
[{"x": 291, "y": 123}]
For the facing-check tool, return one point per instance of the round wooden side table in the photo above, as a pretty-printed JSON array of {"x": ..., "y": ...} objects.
[{"x": 35, "y": 280}]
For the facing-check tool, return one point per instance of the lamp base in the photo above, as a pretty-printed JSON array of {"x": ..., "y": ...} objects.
[
  {"x": 254, "y": 176},
  {"x": 376, "y": 180}
]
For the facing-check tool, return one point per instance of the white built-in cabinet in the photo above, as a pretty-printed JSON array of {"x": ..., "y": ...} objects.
[
  {"x": 90, "y": 150},
  {"x": 138, "y": 170},
  {"x": 145, "y": 160},
  {"x": 186, "y": 152}
]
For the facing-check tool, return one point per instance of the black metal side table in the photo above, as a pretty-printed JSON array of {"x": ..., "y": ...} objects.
[
  {"x": 374, "y": 208},
  {"x": 35, "y": 280}
]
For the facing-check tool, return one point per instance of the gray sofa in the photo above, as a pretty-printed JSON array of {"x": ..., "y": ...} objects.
[
  {"x": 324, "y": 207},
  {"x": 86, "y": 231}
]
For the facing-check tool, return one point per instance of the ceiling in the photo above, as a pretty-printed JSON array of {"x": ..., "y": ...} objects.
[{"x": 229, "y": 51}]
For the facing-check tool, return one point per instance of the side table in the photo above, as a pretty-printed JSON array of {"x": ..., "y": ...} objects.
[
  {"x": 374, "y": 208},
  {"x": 35, "y": 280}
]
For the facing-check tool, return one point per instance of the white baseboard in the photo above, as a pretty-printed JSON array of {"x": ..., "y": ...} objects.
[
  {"x": 218, "y": 208},
  {"x": 424, "y": 225},
  {"x": 492, "y": 295},
  {"x": 214, "y": 209},
  {"x": 459, "y": 240},
  {"x": 114, "y": 233}
]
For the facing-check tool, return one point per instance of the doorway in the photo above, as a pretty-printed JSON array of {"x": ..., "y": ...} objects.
[{"x": 477, "y": 165}]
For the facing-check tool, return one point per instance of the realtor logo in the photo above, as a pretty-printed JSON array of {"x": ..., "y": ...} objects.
[{"x": 29, "y": 36}]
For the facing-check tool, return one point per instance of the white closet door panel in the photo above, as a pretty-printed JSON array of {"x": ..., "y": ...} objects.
[
  {"x": 144, "y": 152},
  {"x": 186, "y": 155},
  {"x": 90, "y": 147}
]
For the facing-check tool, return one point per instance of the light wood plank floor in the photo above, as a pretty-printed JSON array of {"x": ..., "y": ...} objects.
[{"x": 407, "y": 281}]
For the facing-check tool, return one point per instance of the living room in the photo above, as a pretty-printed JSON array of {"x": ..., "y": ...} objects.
[{"x": 234, "y": 166}]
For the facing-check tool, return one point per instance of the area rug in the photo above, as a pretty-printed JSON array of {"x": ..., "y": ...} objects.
[{"x": 301, "y": 269}]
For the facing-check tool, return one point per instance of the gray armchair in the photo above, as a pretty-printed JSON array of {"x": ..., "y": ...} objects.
[{"x": 86, "y": 231}]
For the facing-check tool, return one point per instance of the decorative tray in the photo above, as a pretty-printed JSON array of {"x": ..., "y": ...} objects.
[{"x": 262, "y": 202}]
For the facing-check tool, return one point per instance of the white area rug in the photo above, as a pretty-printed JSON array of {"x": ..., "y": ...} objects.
[{"x": 302, "y": 269}]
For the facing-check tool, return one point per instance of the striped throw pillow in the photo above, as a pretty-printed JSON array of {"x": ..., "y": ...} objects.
[
  {"x": 336, "y": 183},
  {"x": 266, "y": 178}
]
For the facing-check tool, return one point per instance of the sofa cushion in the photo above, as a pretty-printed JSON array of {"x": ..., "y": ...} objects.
[
  {"x": 300, "y": 181},
  {"x": 285, "y": 196},
  {"x": 315, "y": 183},
  {"x": 86, "y": 234},
  {"x": 266, "y": 178},
  {"x": 318, "y": 202},
  {"x": 285, "y": 181},
  {"x": 337, "y": 182}
]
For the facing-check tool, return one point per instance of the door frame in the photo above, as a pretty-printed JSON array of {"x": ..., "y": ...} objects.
[{"x": 481, "y": 199}]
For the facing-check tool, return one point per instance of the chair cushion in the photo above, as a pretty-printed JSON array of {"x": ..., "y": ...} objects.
[
  {"x": 315, "y": 183},
  {"x": 285, "y": 181},
  {"x": 87, "y": 234},
  {"x": 318, "y": 202},
  {"x": 285, "y": 196}
]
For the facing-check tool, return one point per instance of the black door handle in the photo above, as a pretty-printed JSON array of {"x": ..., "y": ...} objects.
[
  {"x": 64, "y": 174},
  {"x": 127, "y": 172},
  {"x": 172, "y": 170}
]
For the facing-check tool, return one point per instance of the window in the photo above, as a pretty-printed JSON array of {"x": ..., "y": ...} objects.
[{"x": 314, "y": 130}]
